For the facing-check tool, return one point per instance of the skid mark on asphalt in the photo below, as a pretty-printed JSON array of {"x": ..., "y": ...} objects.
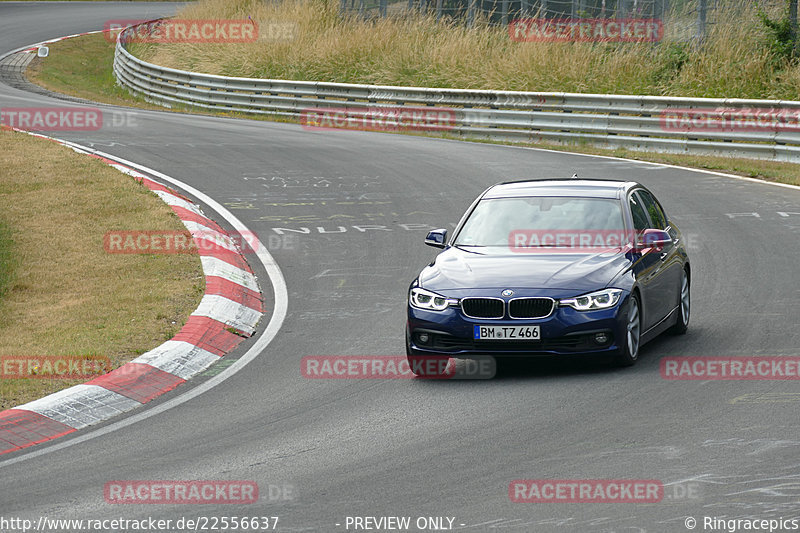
[{"x": 766, "y": 397}]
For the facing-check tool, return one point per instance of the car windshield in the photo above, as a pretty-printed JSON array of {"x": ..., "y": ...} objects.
[{"x": 543, "y": 222}]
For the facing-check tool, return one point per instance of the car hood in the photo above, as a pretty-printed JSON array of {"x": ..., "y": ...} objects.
[{"x": 456, "y": 268}]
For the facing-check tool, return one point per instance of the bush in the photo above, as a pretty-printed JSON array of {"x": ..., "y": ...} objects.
[{"x": 781, "y": 34}]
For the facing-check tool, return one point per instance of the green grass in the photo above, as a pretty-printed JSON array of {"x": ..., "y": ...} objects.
[
  {"x": 7, "y": 262},
  {"x": 81, "y": 67}
]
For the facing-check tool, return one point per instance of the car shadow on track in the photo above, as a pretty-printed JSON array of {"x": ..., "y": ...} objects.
[
  {"x": 576, "y": 365},
  {"x": 573, "y": 365}
]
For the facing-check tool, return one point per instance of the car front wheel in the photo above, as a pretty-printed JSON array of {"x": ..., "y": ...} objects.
[
  {"x": 629, "y": 348},
  {"x": 684, "y": 306}
]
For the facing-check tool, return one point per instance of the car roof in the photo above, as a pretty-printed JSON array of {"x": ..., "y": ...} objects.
[{"x": 588, "y": 188}]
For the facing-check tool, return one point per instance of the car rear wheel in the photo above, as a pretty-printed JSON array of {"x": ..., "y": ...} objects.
[
  {"x": 684, "y": 306},
  {"x": 629, "y": 349}
]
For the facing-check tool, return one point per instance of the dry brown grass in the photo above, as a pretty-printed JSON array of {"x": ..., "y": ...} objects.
[
  {"x": 734, "y": 62},
  {"x": 67, "y": 296}
]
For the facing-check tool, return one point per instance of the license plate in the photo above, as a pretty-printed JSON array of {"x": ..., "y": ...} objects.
[{"x": 507, "y": 333}]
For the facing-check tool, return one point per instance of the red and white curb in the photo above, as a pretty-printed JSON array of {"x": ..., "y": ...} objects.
[{"x": 228, "y": 312}]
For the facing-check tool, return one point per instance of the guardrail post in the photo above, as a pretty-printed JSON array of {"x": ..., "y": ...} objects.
[
  {"x": 473, "y": 4},
  {"x": 524, "y": 8},
  {"x": 701, "y": 21},
  {"x": 793, "y": 22}
]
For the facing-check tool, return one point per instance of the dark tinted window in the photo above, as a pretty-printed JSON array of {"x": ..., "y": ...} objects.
[
  {"x": 640, "y": 221},
  {"x": 657, "y": 215}
]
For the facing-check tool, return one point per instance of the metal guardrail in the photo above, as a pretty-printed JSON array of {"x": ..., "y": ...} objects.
[{"x": 607, "y": 121}]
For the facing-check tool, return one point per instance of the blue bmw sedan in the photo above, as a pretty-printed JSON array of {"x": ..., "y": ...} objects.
[{"x": 551, "y": 267}]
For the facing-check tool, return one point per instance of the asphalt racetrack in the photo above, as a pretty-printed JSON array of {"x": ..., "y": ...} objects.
[{"x": 344, "y": 214}]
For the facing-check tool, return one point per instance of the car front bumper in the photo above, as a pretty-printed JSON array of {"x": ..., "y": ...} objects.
[{"x": 565, "y": 331}]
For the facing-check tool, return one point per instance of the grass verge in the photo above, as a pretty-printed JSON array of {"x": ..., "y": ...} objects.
[
  {"x": 7, "y": 262},
  {"x": 82, "y": 67},
  {"x": 64, "y": 295}
]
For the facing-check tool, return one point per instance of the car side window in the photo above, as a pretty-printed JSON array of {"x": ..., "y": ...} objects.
[
  {"x": 653, "y": 209},
  {"x": 640, "y": 221}
]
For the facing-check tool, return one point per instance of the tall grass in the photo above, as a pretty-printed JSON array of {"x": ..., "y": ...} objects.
[{"x": 734, "y": 60}]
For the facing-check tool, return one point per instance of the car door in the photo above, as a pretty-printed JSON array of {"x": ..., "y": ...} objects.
[
  {"x": 646, "y": 266},
  {"x": 665, "y": 284},
  {"x": 672, "y": 264}
]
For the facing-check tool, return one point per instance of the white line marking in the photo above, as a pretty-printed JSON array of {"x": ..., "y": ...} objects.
[{"x": 650, "y": 163}]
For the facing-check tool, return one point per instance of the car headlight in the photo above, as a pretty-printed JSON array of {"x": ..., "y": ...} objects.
[
  {"x": 422, "y": 299},
  {"x": 595, "y": 300}
]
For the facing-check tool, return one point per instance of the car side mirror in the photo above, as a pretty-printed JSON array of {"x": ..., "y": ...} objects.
[
  {"x": 436, "y": 238},
  {"x": 653, "y": 238}
]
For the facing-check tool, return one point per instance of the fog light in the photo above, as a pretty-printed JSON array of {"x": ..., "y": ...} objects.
[
  {"x": 600, "y": 338},
  {"x": 423, "y": 338}
]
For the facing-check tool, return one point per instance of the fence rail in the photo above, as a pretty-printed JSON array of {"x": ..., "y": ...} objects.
[{"x": 758, "y": 129}]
